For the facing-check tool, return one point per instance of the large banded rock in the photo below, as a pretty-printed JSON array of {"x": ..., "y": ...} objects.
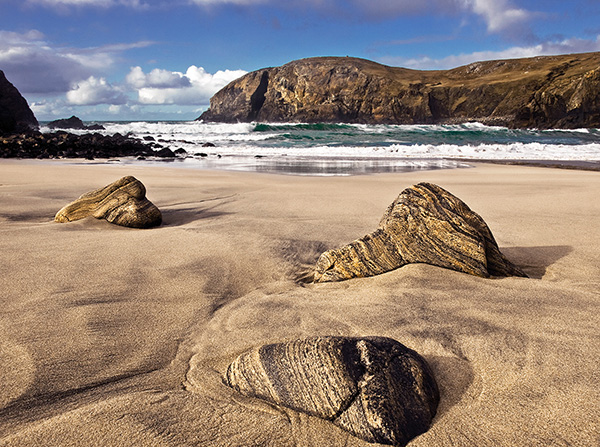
[
  {"x": 425, "y": 224},
  {"x": 374, "y": 387},
  {"x": 123, "y": 203}
]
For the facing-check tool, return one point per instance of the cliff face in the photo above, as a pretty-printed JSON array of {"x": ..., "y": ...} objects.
[
  {"x": 553, "y": 91},
  {"x": 15, "y": 114}
]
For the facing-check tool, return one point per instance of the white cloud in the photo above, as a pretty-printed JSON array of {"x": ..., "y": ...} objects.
[
  {"x": 157, "y": 78},
  {"x": 50, "y": 110},
  {"x": 544, "y": 49},
  {"x": 499, "y": 14},
  {"x": 196, "y": 86},
  {"x": 35, "y": 66},
  {"x": 95, "y": 91}
]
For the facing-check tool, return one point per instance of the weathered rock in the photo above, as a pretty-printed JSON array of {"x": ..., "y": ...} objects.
[
  {"x": 73, "y": 123},
  {"x": 425, "y": 224},
  {"x": 552, "y": 91},
  {"x": 374, "y": 387},
  {"x": 123, "y": 203},
  {"x": 165, "y": 153},
  {"x": 15, "y": 114}
]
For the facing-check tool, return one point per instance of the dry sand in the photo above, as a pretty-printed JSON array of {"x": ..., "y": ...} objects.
[{"x": 118, "y": 337}]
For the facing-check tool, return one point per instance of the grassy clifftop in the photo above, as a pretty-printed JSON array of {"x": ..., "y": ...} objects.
[{"x": 551, "y": 91}]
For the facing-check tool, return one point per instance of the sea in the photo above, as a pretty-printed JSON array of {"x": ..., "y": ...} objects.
[{"x": 351, "y": 149}]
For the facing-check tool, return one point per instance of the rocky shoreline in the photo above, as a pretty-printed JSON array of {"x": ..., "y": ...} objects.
[{"x": 61, "y": 144}]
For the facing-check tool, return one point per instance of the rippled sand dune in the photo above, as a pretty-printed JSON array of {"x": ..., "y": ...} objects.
[{"x": 119, "y": 337}]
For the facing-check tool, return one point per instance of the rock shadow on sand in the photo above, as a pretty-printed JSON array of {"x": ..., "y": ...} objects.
[
  {"x": 179, "y": 217},
  {"x": 178, "y": 214},
  {"x": 535, "y": 260}
]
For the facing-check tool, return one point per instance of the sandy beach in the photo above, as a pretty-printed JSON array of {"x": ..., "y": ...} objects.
[{"x": 112, "y": 336}]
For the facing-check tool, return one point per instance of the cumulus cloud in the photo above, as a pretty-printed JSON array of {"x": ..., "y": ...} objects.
[
  {"x": 157, "y": 78},
  {"x": 35, "y": 66},
  {"x": 50, "y": 110},
  {"x": 499, "y": 14},
  {"x": 566, "y": 46},
  {"x": 196, "y": 86},
  {"x": 94, "y": 91}
]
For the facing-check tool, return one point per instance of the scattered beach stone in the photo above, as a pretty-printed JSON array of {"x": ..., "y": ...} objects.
[
  {"x": 374, "y": 387},
  {"x": 425, "y": 224},
  {"x": 122, "y": 202},
  {"x": 208, "y": 145},
  {"x": 165, "y": 153}
]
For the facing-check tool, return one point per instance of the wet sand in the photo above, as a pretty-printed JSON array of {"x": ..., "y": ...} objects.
[{"x": 119, "y": 337}]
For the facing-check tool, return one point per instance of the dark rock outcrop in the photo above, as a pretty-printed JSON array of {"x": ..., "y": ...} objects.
[
  {"x": 374, "y": 387},
  {"x": 15, "y": 114},
  {"x": 122, "y": 202},
  {"x": 552, "y": 91},
  {"x": 61, "y": 144},
  {"x": 73, "y": 123},
  {"x": 425, "y": 224}
]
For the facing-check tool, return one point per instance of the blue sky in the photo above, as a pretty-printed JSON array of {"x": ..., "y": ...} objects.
[{"x": 155, "y": 59}]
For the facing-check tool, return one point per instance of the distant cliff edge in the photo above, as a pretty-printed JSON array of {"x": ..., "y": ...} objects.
[{"x": 542, "y": 92}]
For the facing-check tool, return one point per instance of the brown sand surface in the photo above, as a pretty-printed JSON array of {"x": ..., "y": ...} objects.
[{"x": 112, "y": 336}]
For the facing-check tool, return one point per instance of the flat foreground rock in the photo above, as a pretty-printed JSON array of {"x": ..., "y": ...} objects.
[
  {"x": 123, "y": 203},
  {"x": 373, "y": 387},
  {"x": 425, "y": 224}
]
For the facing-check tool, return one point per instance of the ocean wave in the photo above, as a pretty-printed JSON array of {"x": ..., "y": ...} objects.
[
  {"x": 468, "y": 141},
  {"x": 270, "y": 127},
  {"x": 515, "y": 151}
]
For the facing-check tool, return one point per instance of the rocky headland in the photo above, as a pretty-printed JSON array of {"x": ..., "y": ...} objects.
[
  {"x": 539, "y": 92},
  {"x": 15, "y": 114}
]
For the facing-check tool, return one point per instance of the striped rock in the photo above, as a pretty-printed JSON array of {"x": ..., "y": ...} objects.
[
  {"x": 373, "y": 387},
  {"x": 425, "y": 224},
  {"x": 123, "y": 203}
]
